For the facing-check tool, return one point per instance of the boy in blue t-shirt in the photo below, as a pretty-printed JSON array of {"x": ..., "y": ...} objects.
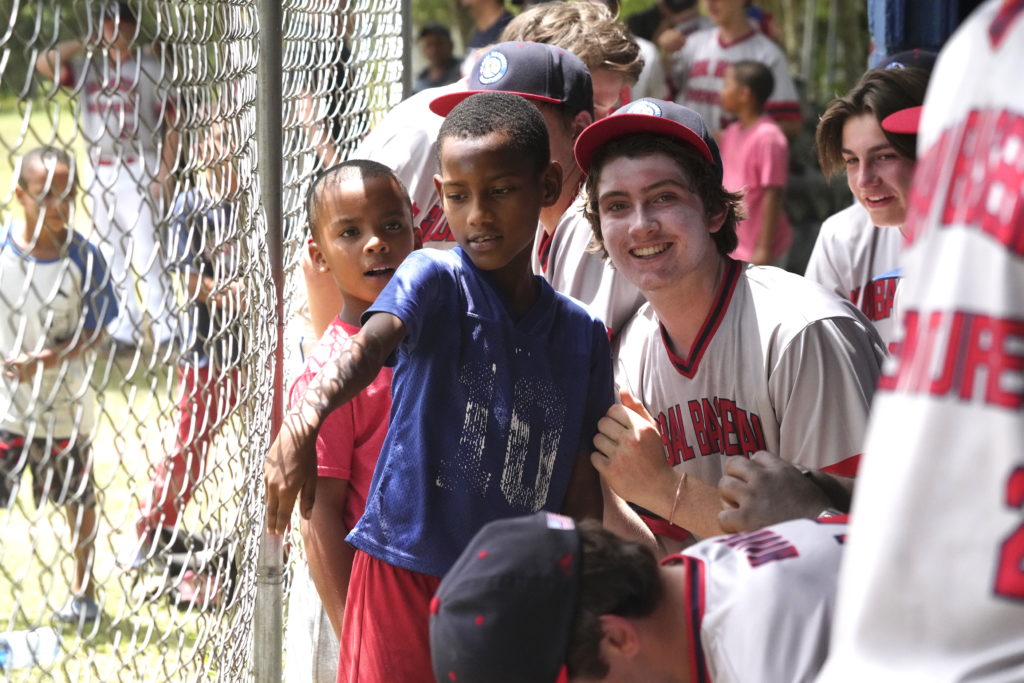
[{"x": 498, "y": 386}]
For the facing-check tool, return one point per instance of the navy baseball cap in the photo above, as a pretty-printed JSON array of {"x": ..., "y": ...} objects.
[
  {"x": 907, "y": 121},
  {"x": 504, "y": 611},
  {"x": 649, "y": 115},
  {"x": 536, "y": 71}
]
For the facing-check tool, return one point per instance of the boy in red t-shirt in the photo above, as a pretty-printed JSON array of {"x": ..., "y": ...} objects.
[
  {"x": 755, "y": 160},
  {"x": 361, "y": 222}
]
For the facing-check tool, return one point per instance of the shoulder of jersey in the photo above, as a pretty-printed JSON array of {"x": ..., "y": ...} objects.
[{"x": 782, "y": 297}]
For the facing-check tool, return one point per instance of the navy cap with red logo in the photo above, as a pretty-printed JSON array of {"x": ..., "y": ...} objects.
[
  {"x": 536, "y": 71},
  {"x": 649, "y": 115},
  {"x": 504, "y": 612}
]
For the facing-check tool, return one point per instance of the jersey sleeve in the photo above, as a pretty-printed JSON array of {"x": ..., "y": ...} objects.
[
  {"x": 99, "y": 303},
  {"x": 783, "y": 103},
  {"x": 824, "y": 265},
  {"x": 600, "y": 394},
  {"x": 414, "y": 295},
  {"x": 821, "y": 388}
]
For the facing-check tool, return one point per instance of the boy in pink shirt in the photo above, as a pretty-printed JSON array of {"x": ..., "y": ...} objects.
[
  {"x": 361, "y": 222},
  {"x": 755, "y": 157}
]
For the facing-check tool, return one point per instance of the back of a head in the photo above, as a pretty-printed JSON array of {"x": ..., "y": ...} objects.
[
  {"x": 331, "y": 178},
  {"x": 587, "y": 29},
  {"x": 518, "y": 122},
  {"x": 879, "y": 92},
  {"x": 756, "y": 76}
]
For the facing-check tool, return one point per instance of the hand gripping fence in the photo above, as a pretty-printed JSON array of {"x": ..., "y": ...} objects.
[{"x": 155, "y": 159}]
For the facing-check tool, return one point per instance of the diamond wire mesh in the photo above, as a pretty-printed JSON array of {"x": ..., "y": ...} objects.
[{"x": 154, "y": 101}]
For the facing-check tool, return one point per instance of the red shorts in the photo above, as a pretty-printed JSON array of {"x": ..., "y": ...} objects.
[{"x": 384, "y": 634}]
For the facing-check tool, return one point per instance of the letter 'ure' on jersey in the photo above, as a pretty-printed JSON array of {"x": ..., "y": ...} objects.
[{"x": 488, "y": 413}]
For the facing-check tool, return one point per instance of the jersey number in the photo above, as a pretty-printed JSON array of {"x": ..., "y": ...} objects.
[
  {"x": 536, "y": 404},
  {"x": 1010, "y": 572}
]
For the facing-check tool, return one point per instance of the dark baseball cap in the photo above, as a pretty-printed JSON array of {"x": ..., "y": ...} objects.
[
  {"x": 120, "y": 11},
  {"x": 536, "y": 71},
  {"x": 907, "y": 121},
  {"x": 504, "y": 612},
  {"x": 649, "y": 115}
]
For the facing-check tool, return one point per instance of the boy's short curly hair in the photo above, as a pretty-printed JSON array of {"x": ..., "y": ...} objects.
[
  {"x": 703, "y": 179},
  {"x": 479, "y": 115},
  {"x": 363, "y": 169}
]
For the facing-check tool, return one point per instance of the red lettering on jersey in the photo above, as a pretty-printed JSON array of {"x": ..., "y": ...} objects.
[
  {"x": 721, "y": 68},
  {"x": 982, "y": 155},
  {"x": 697, "y": 418},
  {"x": 755, "y": 422},
  {"x": 967, "y": 355},
  {"x": 435, "y": 226},
  {"x": 727, "y": 413},
  {"x": 714, "y": 428},
  {"x": 700, "y": 68},
  {"x": 747, "y": 443},
  {"x": 1009, "y": 580},
  {"x": 673, "y": 436},
  {"x": 761, "y": 547}
]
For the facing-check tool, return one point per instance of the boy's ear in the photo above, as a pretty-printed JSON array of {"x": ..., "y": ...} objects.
[
  {"x": 437, "y": 188},
  {"x": 619, "y": 638},
  {"x": 717, "y": 220},
  {"x": 551, "y": 184},
  {"x": 417, "y": 238},
  {"x": 317, "y": 257}
]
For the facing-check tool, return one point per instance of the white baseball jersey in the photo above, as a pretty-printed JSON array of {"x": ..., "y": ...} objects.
[
  {"x": 698, "y": 70},
  {"x": 122, "y": 106},
  {"x": 761, "y": 602},
  {"x": 781, "y": 364},
  {"x": 406, "y": 141},
  {"x": 566, "y": 264},
  {"x": 44, "y": 304},
  {"x": 652, "y": 81},
  {"x": 861, "y": 263},
  {"x": 932, "y": 587}
]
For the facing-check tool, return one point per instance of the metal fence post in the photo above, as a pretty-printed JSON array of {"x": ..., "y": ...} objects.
[{"x": 269, "y": 620}]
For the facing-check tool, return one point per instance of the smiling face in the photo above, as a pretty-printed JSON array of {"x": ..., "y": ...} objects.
[
  {"x": 655, "y": 228},
  {"x": 362, "y": 233},
  {"x": 877, "y": 174},
  {"x": 492, "y": 197}
]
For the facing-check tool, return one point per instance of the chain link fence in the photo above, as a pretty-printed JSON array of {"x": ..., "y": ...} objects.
[{"x": 138, "y": 344}]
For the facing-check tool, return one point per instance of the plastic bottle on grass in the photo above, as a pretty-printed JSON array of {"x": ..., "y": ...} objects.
[{"x": 22, "y": 649}]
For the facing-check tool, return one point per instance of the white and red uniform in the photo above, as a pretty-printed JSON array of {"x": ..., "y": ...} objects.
[
  {"x": 121, "y": 107},
  {"x": 406, "y": 141},
  {"x": 760, "y": 603},
  {"x": 932, "y": 587},
  {"x": 698, "y": 71},
  {"x": 860, "y": 262},
  {"x": 780, "y": 365},
  {"x": 565, "y": 262}
]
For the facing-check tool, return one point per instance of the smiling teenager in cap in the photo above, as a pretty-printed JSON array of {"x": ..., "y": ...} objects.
[
  {"x": 726, "y": 358},
  {"x": 539, "y": 599}
]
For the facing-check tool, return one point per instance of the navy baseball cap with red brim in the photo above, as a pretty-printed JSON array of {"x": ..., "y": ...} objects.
[
  {"x": 649, "y": 115},
  {"x": 905, "y": 121},
  {"x": 536, "y": 71}
]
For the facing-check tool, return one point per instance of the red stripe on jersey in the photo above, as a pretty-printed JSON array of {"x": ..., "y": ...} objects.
[
  {"x": 688, "y": 367},
  {"x": 783, "y": 110},
  {"x": 1001, "y": 24},
  {"x": 844, "y": 468},
  {"x": 694, "y": 596}
]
